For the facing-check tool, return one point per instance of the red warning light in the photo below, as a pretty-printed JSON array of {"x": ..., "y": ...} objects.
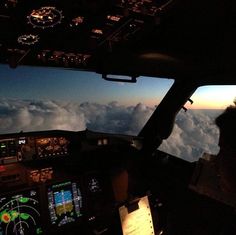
[{"x": 2, "y": 168}]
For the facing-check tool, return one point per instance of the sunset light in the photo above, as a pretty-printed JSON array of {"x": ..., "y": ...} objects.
[{"x": 213, "y": 97}]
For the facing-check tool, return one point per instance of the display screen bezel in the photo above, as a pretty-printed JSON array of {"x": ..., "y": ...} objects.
[
  {"x": 15, "y": 193},
  {"x": 76, "y": 218}
]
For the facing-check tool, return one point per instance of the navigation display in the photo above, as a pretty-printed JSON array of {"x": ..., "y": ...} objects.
[
  {"x": 64, "y": 203},
  {"x": 19, "y": 214}
]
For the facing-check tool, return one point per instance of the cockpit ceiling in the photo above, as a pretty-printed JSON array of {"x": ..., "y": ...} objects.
[{"x": 169, "y": 38}]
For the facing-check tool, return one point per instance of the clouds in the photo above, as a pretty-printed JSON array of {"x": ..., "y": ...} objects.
[
  {"x": 194, "y": 131},
  {"x": 30, "y": 115}
]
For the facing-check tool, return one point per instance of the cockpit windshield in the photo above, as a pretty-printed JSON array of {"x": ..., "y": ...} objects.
[
  {"x": 35, "y": 99},
  {"x": 195, "y": 131}
]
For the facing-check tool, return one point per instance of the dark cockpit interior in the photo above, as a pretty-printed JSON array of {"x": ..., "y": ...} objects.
[
  {"x": 76, "y": 182},
  {"x": 167, "y": 38}
]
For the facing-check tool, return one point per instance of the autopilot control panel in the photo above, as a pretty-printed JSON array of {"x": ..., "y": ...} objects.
[{"x": 29, "y": 148}]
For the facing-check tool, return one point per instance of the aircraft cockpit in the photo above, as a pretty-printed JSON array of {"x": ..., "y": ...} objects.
[{"x": 109, "y": 117}]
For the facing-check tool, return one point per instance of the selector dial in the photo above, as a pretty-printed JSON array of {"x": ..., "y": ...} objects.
[
  {"x": 45, "y": 17},
  {"x": 28, "y": 39}
]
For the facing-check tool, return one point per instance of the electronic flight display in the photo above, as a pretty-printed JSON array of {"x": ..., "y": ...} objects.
[
  {"x": 64, "y": 203},
  {"x": 19, "y": 214}
]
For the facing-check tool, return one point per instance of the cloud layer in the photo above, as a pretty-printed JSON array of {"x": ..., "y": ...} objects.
[
  {"x": 29, "y": 115},
  {"x": 194, "y": 131}
]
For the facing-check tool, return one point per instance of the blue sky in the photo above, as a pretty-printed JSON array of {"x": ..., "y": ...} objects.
[
  {"x": 60, "y": 84},
  {"x": 70, "y": 85}
]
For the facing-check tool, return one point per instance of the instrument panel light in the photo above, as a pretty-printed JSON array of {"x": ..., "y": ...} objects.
[
  {"x": 77, "y": 21},
  {"x": 97, "y": 31},
  {"x": 45, "y": 17},
  {"x": 115, "y": 18}
]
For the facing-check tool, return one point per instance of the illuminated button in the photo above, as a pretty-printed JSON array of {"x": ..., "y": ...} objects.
[
  {"x": 97, "y": 31},
  {"x": 115, "y": 18},
  {"x": 92, "y": 218},
  {"x": 2, "y": 168}
]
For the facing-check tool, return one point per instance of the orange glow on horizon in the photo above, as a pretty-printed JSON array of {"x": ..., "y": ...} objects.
[
  {"x": 207, "y": 105},
  {"x": 213, "y": 97}
]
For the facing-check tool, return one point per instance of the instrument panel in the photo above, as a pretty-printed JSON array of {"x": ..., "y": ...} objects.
[
  {"x": 54, "y": 181},
  {"x": 52, "y": 207},
  {"x": 87, "y": 26},
  {"x": 52, "y": 147},
  {"x": 21, "y": 211},
  {"x": 29, "y": 148}
]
